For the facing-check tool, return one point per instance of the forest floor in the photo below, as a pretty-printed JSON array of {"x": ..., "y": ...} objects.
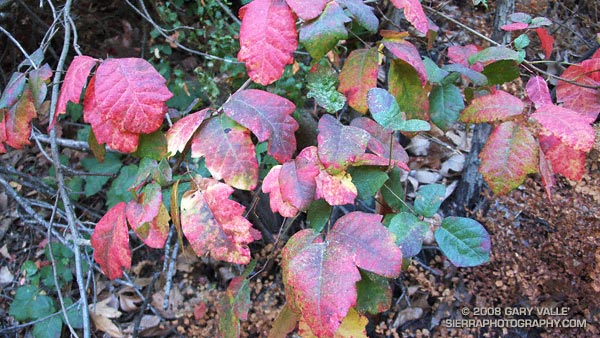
[{"x": 545, "y": 253}]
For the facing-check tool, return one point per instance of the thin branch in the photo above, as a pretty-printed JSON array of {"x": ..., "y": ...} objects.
[
  {"x": 228, "y": 12},
  {"x": 66, "y": 143},
  {"x": 12, "y": 38}
]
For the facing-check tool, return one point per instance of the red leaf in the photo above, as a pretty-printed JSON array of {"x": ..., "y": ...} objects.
[
  {"x": 510, "y": 153},
  {"x": 229, "y": 152},
  {"x": 380, "y": 140},
  {"x": 320, "y": 276},
  {"x": 413, "y": 11},
  {"x": 268, "y": 39},
  {"x": 148, "y": 217},
  {"x": 213, "y": 224},
  {"x": 132, "y": 94},
  {"x": 75, "y": 79},
  {"x": 18, "y": 121},
  {"x": 538, "y": 92},
  {"x": 358, "y": 75},
  {"x": 571, "y": 128},
  {"x": 272, "y": 187},
  {"x": 406, "y": 51},
  {"x": 547, "y": 41},
  {"x": 515, "y": 26},
  {"x": 592, "y": 68},
  {"x": 460, "y": 55},
  {"x": 105, "y": 130},
  {"x": 498, "y": 106},
  {"x": 110, "y": 241},
  {"x": 2, "y": 130},
  {"x": 336, "y": 189},
  {"x": 565, "y": 160},
  {"x": 339, "y": 145},
  {"x": 583, "y": 100},
  {"x": 547, "y": 173},
  {"x": 307, "y": 9},
  {"x": 182, "y": 131},
  {"x": 268, "y": 116}
]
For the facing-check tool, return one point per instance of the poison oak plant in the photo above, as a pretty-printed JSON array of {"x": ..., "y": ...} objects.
[{"x": 336, "y": 273}]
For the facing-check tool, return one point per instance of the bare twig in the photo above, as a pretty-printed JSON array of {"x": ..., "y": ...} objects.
[
  {"x": 228, "y": 12},
  {"x": 12, "y": 38},
  {"x": 138, "y": 319},
  {"x": 170, "y": 273},
  {"x": 77, "y": 145}
]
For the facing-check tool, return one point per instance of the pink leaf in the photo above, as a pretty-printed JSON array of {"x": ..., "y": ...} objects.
[
  {"x": 321, "y": 276},
  {"x": 74, "y": 82},
  {"x": 510, "y": 153},
  {"x": 307, "y": 9},
  {"x": 380, "y": 140},
  {"x": 132, "y": 94},
  {"x": 515, "y": 26},
  {"x": 538, "y": 92},
  {"x": 413, "y": 11},
  {"x": 592, "y": 68},
  {"x": 547, "y": 173},
  {"x": 571, "y": 128},
  {"x": 338, "y": 144},
  {"x": 213, "y": 224},
  {"x": 406, "y": 51},
  {"x": 146, "y": 219},
  {"x": 110, "y": 241},
  {"x": 583, "y": 100},
  {"x": 358, "y": 75},
  {"x": 229, "y": 152},
  {"x": 461, "y": 54},
  {"x": 268, "y": 39},
  {"x": 2, "y": 131},
  {"x": 268, "y": 116},
  {"x": 271, "y": 185},
  {"x": 297, "y": 179},
  {"x": 564, "y": 160},
  {"x": 182, "y": 131},
  {"x": 498, "y": 106},
  {"x": 335, "y": 189},
  {"x": 547, "y": 41}
]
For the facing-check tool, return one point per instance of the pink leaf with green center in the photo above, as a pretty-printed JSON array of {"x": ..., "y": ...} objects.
[
  {"x": 583, "y": 100},
  {"x": 339, "y": 145},
  {"x": 461, "y": 54},
  {"x": 564, "y": 159},
  {"x": 38, "y": 84},
  {"x": 18, "y": 121},
  {"x": 538, "y": 92},
  {"x": 110, "y": 241},
  {"x": 413, "y": 11},
  {"x": 498, "y": 106},
  {"x": 105, "y": 130},
  {"x": 380, "y": 140},
  {"x": 336, "y": 189},
  {"x": 268, "y": 39},
  {"x": 395, "y": 42},
  {"x": 75, "y": 80},
  {"x": 307, "y": 9},
  {"x": 148, "y": 217},
  {"x": 322, "y": 34},
  {"x": 229, "y": 152},
  {"x": 182, "y": 131},
  {"x": 358, "y": 75},
  {"x": 320, "y": 276},
  {"x": 509, "y": 155},
  {"x": 268, "y": 116},
  {"x": 132, "y": 94},
  {"x": 405, "y": 85},
  {"x": 571, "y": 128},
  {"x": 272, "y": 187},
  {"x": 213, "y": 224}
]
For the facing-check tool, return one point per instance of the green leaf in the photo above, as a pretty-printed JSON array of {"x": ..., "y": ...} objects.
[
  {"x": 476, "y": 77},
  {"x": 74, "y": 314},
  {"x": 374, "y": 293},
  {"x": 110, "y": 166},
  {"x": 445, "y": 105},
  {"x": 318, "y": 214},
  {"x": 119, "y": 189},
  {"x": 464, "y": 241},
  {"x": 75, "y": 187},
  {"x": 405, "y": 85},
  {"x": 322, "y": 34},
  {"x": 435, "y": 74},
  {"x": 500, "y": 72},
  {"x": 368, "y": 180},
  {"x": 29, "y": 268},
  {"x": 521, "y": 42},
  {"x": 393, "y": 192},
  {"x": 410, "y": 233},
  {"x": 152, "y": 145},
  {"x": 429, "y": 198},
  {"x": 384, "y": 108},
  {"x": 28, "y": 304},
  {"x": 49, "y": 328},
  {"x": 414, "y": 125},
  {"x": 322, "y": 86},
  {"x": 494, "y": 53}
]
